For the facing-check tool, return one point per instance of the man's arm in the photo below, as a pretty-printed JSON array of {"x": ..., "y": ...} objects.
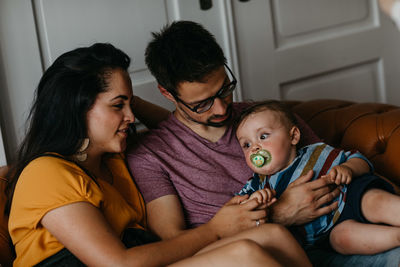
[
  {"x": 303, "y": 201},
  {"x": 148, "y": 113},
  {"x": 165, "y": 218}
]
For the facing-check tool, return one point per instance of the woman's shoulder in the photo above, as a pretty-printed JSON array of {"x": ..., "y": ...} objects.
[
  {"x": 51, "y": 162},
  {"x": 52, "y": 170}
]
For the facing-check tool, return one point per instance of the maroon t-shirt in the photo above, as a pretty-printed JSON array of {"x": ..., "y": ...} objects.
[{"x": 174, "y": 160}]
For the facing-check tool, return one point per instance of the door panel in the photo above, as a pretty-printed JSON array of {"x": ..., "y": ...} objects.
[
  {"x": 315, "y": 49},
  {"x": 2, "y": 151},
  {"x": 364, "y": 80},
  {"x": 307, "y": 21},
  {"x": 34, "y": 33},
  {"x": 64, "y": 25}
]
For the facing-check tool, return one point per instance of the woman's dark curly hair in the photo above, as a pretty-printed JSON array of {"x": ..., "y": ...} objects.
[{"x": 66, "y": 92}]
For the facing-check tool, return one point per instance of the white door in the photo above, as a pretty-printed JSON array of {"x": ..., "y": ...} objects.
[
  {"x": 307, "y": 49},
  {"x": 284, "y": 49},
  {"x": 2, "y": 152},
  {"x": 34, "y": 33}
]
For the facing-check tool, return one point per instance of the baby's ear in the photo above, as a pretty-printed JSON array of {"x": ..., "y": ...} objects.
[{"x": 295, "y": 135}]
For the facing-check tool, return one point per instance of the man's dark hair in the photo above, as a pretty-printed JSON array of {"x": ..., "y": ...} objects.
[{"x": 182, "y": 51}]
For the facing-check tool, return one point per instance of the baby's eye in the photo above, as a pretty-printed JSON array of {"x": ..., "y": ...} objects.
[
  {"x": 264, "y": 136},
  {"x": 246, "y": 145}
]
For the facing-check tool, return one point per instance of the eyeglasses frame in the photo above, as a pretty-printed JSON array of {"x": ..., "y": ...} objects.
[{"x": 218, "y": 94}]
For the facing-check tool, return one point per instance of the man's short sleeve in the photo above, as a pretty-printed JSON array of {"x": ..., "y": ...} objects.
[{"x": 147, "y": 171}]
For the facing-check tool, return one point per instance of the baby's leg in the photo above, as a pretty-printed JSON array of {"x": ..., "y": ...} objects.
[
  {"x": 379, "y": 206},
  {"x": 351, "y": 237},
  {"x": 275, "y": 239}
]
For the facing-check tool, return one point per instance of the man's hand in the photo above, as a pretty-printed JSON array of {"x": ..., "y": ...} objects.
[
  {"x": 303, "y": 201},
  {"x": 233, "y": 218}
]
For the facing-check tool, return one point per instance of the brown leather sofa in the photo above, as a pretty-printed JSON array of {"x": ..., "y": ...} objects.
[
  {"x": 372, "y": 128},
  {"x": 6, "y": 251}
]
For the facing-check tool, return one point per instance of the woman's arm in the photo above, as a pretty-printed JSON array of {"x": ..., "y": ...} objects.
[
  {"x": 82, "y": 229},
  {"x": 165, "y": 218},
  {"x": 148, "y": 113}
]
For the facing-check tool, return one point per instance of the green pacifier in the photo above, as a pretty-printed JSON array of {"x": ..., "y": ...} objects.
[{"x": 260, "y": 158}]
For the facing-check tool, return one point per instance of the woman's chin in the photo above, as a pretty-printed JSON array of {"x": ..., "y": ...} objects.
[{"x": 120, "y": 148}]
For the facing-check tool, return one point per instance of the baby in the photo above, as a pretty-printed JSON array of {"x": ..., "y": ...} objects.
[{"x": 367, "y": 220}]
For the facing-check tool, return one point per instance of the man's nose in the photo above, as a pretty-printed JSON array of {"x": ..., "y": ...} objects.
[{"x": 219, "y": 106}]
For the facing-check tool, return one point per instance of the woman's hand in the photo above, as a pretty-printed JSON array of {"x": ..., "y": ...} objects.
[{"x": 234, "y": 217}]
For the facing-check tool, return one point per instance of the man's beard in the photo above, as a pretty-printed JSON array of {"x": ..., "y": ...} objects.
[{"x": 209, "y": 121}]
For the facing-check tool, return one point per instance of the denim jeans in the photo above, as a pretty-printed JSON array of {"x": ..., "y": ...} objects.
[{"x": 329, "y": 258}]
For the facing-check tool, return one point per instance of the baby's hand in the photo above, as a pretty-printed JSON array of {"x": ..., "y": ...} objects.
[
  {"x": 340, "y": 174},
  {"x": 264, "y": 196}
]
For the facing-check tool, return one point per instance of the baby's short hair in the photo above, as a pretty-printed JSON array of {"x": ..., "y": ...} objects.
[{"x": 286, "y": 116}]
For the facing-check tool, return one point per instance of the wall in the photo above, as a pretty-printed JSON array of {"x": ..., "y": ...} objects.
[{"x": 33, "y": 33}]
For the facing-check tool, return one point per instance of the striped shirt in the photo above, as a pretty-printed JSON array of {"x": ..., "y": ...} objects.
[{"x": 320, "y": 158}]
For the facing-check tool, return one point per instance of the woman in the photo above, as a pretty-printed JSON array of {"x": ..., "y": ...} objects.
[{"x": 72, "y": 199}]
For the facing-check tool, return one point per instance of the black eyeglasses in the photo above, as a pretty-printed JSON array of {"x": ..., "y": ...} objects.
[{"x": 206, "y": 104}]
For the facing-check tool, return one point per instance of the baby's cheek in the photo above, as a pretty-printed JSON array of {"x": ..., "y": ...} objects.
[{"x": 248, "y": 161}]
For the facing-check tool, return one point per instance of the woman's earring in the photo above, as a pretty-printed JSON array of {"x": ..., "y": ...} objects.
[{"x": 81, "y": 155}]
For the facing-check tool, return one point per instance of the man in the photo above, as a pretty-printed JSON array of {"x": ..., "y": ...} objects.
[{"x": 190, "y": 166}]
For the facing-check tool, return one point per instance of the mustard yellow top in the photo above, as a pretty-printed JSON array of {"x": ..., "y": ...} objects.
[{"x": 47, "y": 183}]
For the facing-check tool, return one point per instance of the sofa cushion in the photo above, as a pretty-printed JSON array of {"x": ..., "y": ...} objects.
[{"x": 372, "y": 128}]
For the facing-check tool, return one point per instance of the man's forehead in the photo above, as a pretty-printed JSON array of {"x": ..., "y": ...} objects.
[{"x": 210, "y": 83}]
